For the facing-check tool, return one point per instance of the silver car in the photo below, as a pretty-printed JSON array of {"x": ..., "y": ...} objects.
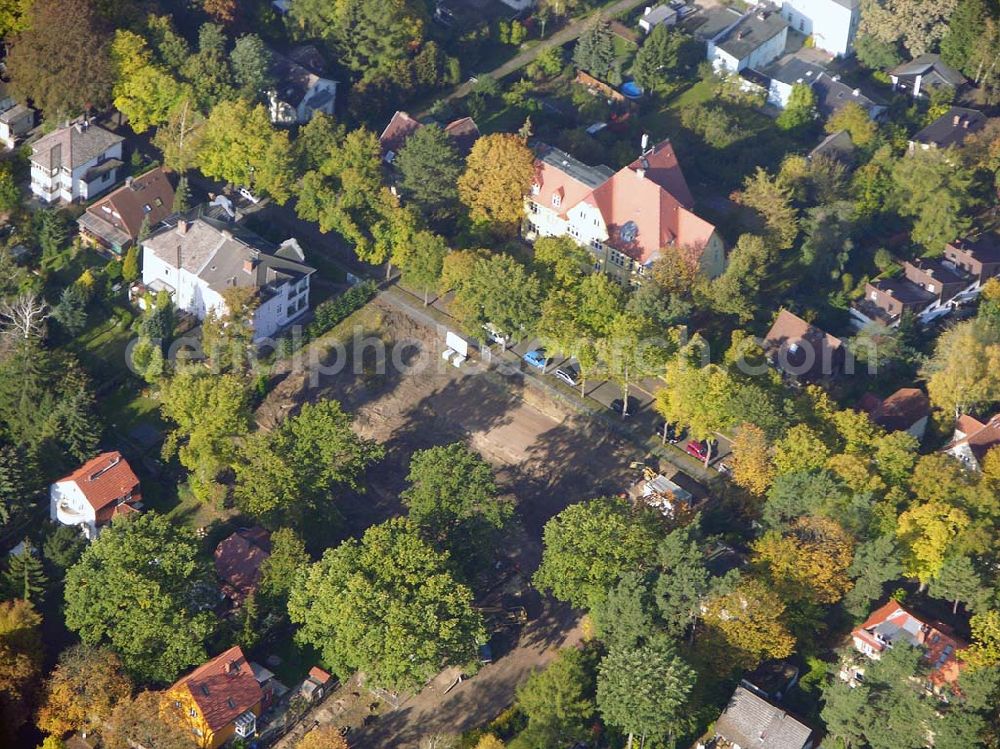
[{"x": 569, "y": 374}]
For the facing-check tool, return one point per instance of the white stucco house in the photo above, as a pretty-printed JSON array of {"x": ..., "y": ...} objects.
[
  {"x": 659, "y": 15},
  {"x": 76, "y": 162},
  {"x": 299, "y": 90},
  {"x": 757, "y": 39},
  {"x": 95, "y": 493},
  {"x": 832, "y": 24},
  {"x": 197, "y": 260}
]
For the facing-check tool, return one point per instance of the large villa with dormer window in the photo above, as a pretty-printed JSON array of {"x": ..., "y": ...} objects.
[{"x": 626, "y": 217}]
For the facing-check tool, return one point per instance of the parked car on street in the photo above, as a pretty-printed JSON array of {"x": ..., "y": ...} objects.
[
  {"x": 536, "y": 358},
  {"x": 569, "y": 373},
  {"x": 700, "y": 448},
  {"x": 672, "y": 433},
  {"x": 633, "y": 406}
]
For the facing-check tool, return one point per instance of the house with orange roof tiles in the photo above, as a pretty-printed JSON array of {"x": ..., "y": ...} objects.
[
  {"x": 221, "y": 699},
  {"x": 95, "y": 493},
  {"x": 626, "y": 218}
]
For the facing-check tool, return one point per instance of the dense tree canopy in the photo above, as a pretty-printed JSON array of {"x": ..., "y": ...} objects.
[
  {"x": 137, "y": 589},
  {"x": 386, "y": 605}
]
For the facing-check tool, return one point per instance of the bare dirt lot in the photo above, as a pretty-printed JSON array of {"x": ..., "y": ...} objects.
[{"x": 547, "y": 456}]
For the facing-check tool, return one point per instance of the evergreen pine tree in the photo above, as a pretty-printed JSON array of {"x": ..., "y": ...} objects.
[
  {"x": 79, "y": 428},
  {"x": 25, "y": 577},
  {"x": 71, "y": 312},
  {"x": 13, "y": 481},
  {"x": 130, "y": 265},
  {"x": 182, "y": 196}
]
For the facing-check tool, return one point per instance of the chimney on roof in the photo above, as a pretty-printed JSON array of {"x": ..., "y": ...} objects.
[
  {"x": 183, "y": 226},
  {"x": 856, "y": 92},
  {"x": 645, "y": 142},
  {"x": 648, "y": 10},
  {"x": 956, "y": 119},
  {"x": 249, "y": 264},
  {"x": 128, "y": 181},
  {"x": 965, "y": 123}
]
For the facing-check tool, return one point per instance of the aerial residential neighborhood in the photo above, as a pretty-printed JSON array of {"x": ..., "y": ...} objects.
[{"x": 474, "y": 374}]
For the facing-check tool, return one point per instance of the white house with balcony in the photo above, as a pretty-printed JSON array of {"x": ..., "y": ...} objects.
[
  {"x": 95, "y": 493},
  {"x": 197, "y": 261},
  {"x": 76, "y": 162}
]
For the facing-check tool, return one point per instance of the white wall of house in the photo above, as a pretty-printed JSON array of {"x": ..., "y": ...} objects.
[
  {"x": 778, "y": 93},
  {"x": 66, "y": 185},
  {"x": 189, "y": 294},
  {"x": 69, "y": 506},
  {"x": 831, "y": 25},
  {"x": 291, "y": 301},
  {"x": 964, "y": 453},
  {"x": 758, "y": 58},
  {"x": 306, "y": 112}
]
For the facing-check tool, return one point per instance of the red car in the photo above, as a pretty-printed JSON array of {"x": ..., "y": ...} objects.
[{"x": 699, "y": 448}]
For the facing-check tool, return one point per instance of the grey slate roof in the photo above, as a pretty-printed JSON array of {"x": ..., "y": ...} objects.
[
  {"x": 659, "y": 14},
  {"x": 929, "y": 63},
  {"x": 793, "y": 70},
  {"x": 752, "y": 721},
  {"x": 15, "y": 113},
  {"x": 951, "y": 128},
  {"x": 592, "y": 176},
  {"x": 752, "y": 32},
  {"x": 72, "y": 146},
  {"x": 832, "y": 95},
  {"x": 217, "y": 252}
]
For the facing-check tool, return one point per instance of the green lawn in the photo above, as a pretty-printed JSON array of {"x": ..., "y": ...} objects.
[{"x": 664, "y": 120}]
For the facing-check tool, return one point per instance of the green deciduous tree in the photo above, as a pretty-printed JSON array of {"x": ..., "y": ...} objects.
[
  {"x": 800, "y": 111},
  {"x": 453, "y": 500},
  {"x": 918, "y": 24},
  {"x": 430, "y": 167},
  {"x": 144, "y": 91},
  {"x": 736, "y": 291},
  {"x": 136, "y": 589},
  {"x": 240, "y": 145},
  {"x": 589, "y": 545},
  {"x": 61, "y": 60},
  {"x": 959, "y": 581},
  {"x": 964, "y": 371},
  {"x": 386, "y": 605},
  {"x": 933, "y": 190},
  {"x": 926, "y": 532},
  {"x": 345, "y": 194},
  {"x": 559, "y": 700},
  {"x": 644, "y": 690},
  {"x": 292, "y": 469},
  {"x": 630, "y": 351},
  {"x": 210, "y": 412},
  {"x": 749, "y": 620},
  {"x": 422, "y": 260},
  {"x": 855, "y": 119},
  {"x": 501, "y": 292},
  {"x": 772, "y": 199}
]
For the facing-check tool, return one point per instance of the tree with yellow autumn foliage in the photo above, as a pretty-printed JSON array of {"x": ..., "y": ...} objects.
[
  {"x": 749, "y": 621},
  {"x": 83, "y": 690},
  {"x": 498, "y": 175},
  {"x": 752, "y": 465},
  {"x": 928, "y": 532},
  {"x": 323, "y": 737},
  {"x": 808, "y": 561}
]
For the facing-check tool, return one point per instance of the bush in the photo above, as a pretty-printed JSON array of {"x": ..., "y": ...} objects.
[{"x": 332, "y": 311}]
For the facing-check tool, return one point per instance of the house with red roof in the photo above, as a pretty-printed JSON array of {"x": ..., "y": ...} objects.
[
  {"x": 893, "y": 623},
  {"x": 95, "y": 493},
  {"x": 238, "y": 559},
  {"x": 906, "y": 410},
  {"x": 973, "y": 439},
  {"x": 222, "y": 699},
  {"x": 627, "y": 217}
]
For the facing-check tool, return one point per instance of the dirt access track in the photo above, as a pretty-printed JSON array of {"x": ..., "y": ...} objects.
[{"x": 547, "y": 456}]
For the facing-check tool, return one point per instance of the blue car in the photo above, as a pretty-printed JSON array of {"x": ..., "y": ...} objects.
[{"x": 536, "y": 358}]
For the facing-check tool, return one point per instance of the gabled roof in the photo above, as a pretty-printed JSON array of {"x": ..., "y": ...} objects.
[
  {"x": 892, "y": 623},
  {"x": 789, "y": 328},
  {"x": 751, "y": 721},
  {"x": 147, "y": 196},
  {"x": 104, "y": 479},
  {"x": 984, "y": 248},
  {"x": 645, "y": 205},
  {"x": 239, "y": 556},
  {"x": 952, "y": 128},
  {"x": 223, "y": 689},
  {"x": 929, "y": 63},
  {"x": 292, "y": 80},
  {"x": 464, "y": 131},
  {"x": 832, "y": 95},
  {"x": 980, "y": 438},
  {"x": 899, "y": 411},
  {"x": 72, "y": 146}
]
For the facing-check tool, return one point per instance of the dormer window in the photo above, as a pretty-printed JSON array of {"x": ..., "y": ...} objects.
[
  {"x": 535, "y": 188},
  {"x": 556, "y": 199}
]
